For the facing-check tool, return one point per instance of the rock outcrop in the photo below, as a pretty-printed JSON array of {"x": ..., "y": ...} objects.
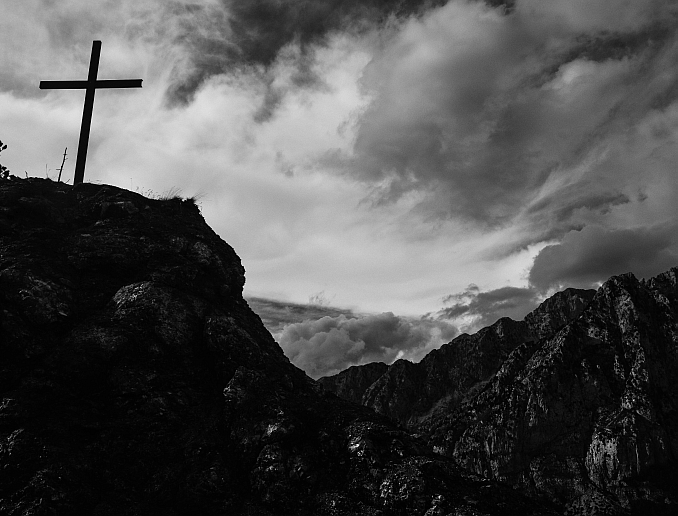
[{"x": 135, "y": 380}]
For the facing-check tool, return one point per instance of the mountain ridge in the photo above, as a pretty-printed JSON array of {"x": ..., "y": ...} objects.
[
  {"x": 436, "y": 380},
  {"x": 582, "y": 410}
]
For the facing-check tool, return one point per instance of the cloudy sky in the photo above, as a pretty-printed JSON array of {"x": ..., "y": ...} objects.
[{"x": 391, "y": 172}]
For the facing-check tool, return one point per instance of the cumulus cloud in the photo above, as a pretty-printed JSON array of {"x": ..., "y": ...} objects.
[{"x": 329, "y": 345}]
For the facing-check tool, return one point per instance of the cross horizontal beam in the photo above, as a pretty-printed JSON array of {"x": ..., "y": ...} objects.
[
  {"x": 82, "y": 85},
  {"x": 90, "y": 86}
]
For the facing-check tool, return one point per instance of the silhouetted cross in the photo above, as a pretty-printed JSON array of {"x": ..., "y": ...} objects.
[{"x": 90, "y": 85}]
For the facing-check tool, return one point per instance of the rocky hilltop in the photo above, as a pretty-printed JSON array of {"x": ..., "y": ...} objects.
[
  {"x": 577, "y": 403},
  {"x": 135, "y": 380}
]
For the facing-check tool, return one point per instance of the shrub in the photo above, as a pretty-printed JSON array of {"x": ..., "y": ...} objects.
[{"x": 4, "y": 171}]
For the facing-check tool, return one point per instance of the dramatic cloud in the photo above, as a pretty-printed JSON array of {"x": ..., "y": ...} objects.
[
  {"x": 255, "y": 33},
  {"x": 204, "y": 39},
  {"x": 331, "y": 344},
  {"x": 511, "y": 117},
  {"x": 584, "y": 259},
  {"x": 472, "y": 309}
]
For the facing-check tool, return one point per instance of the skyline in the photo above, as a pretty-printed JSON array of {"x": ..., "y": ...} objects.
[{"x": 404, "y": 170}]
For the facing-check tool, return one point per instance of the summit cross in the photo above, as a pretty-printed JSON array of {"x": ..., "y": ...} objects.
[{"x": 90, "y": 85}]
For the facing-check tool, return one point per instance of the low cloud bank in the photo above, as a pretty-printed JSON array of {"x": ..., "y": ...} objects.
[
  {"x": 277, "y": 314},
  {"x": 328, "y": 345}
]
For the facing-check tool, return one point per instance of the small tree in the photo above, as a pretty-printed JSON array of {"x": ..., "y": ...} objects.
[{"x": 4, "y": 171}]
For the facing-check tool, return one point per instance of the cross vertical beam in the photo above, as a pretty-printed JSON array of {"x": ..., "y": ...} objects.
[
  {"x": 86, "y": 124},
  {"x": 90, "y": 86}
]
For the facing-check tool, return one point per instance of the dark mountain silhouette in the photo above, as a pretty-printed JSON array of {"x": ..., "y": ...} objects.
[
  {"x": 135, "y": 380},
  {"x": 412, "y": 393},
  {"x": 577, "y": 403}
]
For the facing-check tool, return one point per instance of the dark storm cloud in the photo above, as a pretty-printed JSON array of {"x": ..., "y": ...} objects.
[
  {"x": 263, "y": 27},
  {"x": 331, "y": 344},
  {"x": 484, "y": 308},
  {"x": 204, "y": 39},
  {"x": 585, "y": 258},
  {"x": 494, "y": 113},
  {"x": 253, "y": 33},
  {"x": 204, "y": 34},
  {"x": 324, "y": 340}
]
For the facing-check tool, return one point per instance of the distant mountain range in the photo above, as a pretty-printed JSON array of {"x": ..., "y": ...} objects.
[
  {"x": 577, "y": 403},
  {"x": 412, "y": 392}
]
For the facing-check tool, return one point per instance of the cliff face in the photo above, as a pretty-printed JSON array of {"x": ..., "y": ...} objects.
[
  {"x": 352, "y": 383},
  {"x": 558, "y": 310},
  {"x": 590, "y": 415},
  {"x": 134, "y": 379}
]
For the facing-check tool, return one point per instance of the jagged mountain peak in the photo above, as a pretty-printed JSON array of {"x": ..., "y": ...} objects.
[
  {"x": 558, "y": 310},
  {"x": 588, "y": 415}
]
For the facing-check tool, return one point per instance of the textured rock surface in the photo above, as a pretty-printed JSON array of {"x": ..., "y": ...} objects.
[
  {"x": 352, "y": 383},
  {"x": 558, "y": 310},
  {"x": 588, "y": 416},
  {"x": 135, "y": 380}
]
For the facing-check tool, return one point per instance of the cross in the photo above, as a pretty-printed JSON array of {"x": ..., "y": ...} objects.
[{"x": 90, "y": 85}]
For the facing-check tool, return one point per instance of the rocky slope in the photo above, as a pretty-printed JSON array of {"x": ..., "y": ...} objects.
[{"x": 135, "y": 380}]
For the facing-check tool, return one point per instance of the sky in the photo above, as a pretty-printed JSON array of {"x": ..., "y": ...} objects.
[{"x": 391, "y": 172}]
